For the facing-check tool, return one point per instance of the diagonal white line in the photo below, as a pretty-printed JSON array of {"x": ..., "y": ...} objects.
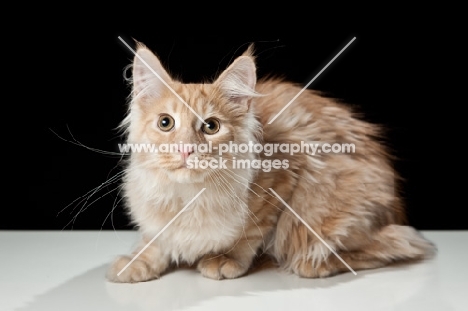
[
  {"x": 162, "y": 230},
  {"x": 312, "y": 230},
  {"x": 159, "y": 77},
  {"x": 308, "y": 84}
]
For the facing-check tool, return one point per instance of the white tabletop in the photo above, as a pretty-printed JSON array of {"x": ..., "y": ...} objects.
[{"x": 64, "y": 270}]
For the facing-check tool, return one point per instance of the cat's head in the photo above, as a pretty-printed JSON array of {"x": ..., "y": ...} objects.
[{"x": 165, "y": 112}]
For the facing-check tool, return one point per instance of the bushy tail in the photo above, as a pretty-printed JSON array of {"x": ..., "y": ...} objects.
[
  {"x": 394, "y": 243},
  {"x": 397, "y": 243}
]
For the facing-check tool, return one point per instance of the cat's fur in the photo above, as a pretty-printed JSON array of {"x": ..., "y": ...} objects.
[{"x": 350, "y": 200}]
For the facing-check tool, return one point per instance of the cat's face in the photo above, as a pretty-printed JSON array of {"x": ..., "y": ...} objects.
[{"x": 188, "y": 123}]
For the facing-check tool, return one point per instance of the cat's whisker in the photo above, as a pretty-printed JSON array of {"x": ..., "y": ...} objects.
[
  {"x": 234, "y": 204},
  {"x": 94, "y": 190},
  {"x": 263, "y": 246},
  {"x": 228, "y": 184},
  {"x": 114, "y": 206},
  {"x": 111, "y": 213},
  {"x": 83, "y": 208},
  {"x": 249, "y": 214},
  {"x": 230, "y": 188},
  {"x": 78, "y": 143},
  {"x": 253, "y": 183},
  {"x": 235, "y": 200},
  {"x": 225, "y": 189},
  {"x": 251, "y": 190},
  {"x": 228, "y": 171},
  {"x": 215, "y": 184},
  {"x": 221, "y": 186},
  {"x": 249, "y": 211},
  {"x": 86, "y": 197}
]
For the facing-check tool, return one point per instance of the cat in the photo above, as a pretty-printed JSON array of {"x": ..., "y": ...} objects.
[{"x": 350, "y": 200}]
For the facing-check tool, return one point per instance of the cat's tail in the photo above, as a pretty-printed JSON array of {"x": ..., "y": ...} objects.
[
  {"x": 399, "y": 243},
  {"x": 393, "y": 243}
]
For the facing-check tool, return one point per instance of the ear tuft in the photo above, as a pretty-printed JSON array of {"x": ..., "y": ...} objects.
[{"x": 250, "y": 51}]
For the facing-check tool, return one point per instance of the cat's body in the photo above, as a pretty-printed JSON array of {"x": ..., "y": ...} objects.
[{"x": 350, "y": 200}]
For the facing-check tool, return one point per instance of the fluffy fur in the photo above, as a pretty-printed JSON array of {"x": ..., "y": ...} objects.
[{"x": 350, "y": 200}]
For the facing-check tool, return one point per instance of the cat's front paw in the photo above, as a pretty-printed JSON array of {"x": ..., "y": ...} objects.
[
  {"x": 137, "y": 271},
  {"x": 306, "y": 269},
  {"x": 220, "y": 267}
]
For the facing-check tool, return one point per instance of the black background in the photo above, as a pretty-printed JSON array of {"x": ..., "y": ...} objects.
[{"x": 389, "y": 73}]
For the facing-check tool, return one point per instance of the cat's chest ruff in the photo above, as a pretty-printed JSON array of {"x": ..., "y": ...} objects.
[
  {"x": 205, "y": 226},
  {"x": 203, "y": 217}
]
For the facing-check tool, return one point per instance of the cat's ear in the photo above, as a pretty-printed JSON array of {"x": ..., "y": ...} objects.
[
  {"x": 148, "y": 74},
  {"x": 238, "y": 81}
]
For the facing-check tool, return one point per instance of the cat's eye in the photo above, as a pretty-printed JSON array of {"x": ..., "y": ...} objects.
[
  {"x": 165, "y": 122},
  {"x": 211, "y": 126}
]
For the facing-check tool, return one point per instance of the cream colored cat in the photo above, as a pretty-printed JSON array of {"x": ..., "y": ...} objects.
[{"x": 351, "y": 200}]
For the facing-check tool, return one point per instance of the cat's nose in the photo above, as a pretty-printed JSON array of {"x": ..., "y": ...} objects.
[{"x": 186, "y": 151}]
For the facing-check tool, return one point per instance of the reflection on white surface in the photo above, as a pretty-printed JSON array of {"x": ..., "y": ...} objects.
[
  {"x": 438, "y": 284},
  {"x": 278, "y": 291}
]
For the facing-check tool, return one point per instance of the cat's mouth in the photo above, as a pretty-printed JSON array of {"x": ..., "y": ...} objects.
[
  {"x": 184, "y": 173},
  {"x": 192, "y": 163}
]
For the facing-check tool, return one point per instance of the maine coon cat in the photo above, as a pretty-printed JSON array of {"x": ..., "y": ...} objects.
[{"x": 350, "y": 200}]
